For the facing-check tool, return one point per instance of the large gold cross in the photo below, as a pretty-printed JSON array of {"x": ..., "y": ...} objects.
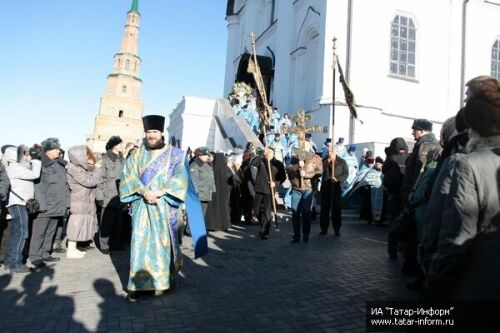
[{"x": 301, "y": 128}]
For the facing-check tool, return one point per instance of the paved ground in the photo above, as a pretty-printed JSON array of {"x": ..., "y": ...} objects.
[{"x": 243, "y": 285}]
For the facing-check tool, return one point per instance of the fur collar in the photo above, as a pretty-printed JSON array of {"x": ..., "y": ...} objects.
[{"x": 481, "y": 143}]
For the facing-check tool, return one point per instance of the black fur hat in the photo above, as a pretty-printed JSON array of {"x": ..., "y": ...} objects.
[
  {"x": 422, "y": 124},
  {"x": 153, "y": 122},
  {"x": 51, "y": 143},
  {"x": 113, "y": 141}
]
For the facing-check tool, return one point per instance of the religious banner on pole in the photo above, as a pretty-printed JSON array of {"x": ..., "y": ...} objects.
[{"x": 349, "y": 96}]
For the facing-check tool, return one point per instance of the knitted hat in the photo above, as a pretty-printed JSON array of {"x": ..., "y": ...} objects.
[
  {"x": 482, "y": 109},
  {"x": 113, "y": 142},
  {"x": 51, "y": 143},
  {"x": 422, "y": 124},
  {"x": 341, "y": 140}
]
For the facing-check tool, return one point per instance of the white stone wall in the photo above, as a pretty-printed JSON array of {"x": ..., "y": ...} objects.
[{"x": 190, "y": 121}]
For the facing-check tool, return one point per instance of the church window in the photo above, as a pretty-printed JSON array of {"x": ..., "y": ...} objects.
[
  {"x": 495, "y": 59},
  {"x": 124, "y": 89},
  {"x": 127, "y": 65},
  {"x": 120, "y": 114},
  {"x": 403, "y": 47}
]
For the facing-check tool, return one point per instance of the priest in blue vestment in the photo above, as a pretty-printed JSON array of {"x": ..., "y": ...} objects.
[{"x": 156, "y": 183}]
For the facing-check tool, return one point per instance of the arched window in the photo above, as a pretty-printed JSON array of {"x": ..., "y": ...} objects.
[
  {"x": 124, "y": 89},
  {"x": 127, "y": 65},
  {"x": 495, "y": 59},
  {"x": 403, "y": 46},
  {"x": 120, "y": 114}
]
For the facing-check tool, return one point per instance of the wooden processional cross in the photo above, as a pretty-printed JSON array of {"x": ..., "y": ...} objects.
[{"x": 264, "y": 108}]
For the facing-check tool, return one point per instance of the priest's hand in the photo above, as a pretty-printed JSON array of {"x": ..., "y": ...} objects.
[
  {"x": 150, "y": 197},
  {"x": 158, "y": 194},
  {"x": 272, "y": 184}
]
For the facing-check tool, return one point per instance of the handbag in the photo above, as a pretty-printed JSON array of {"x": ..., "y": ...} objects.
[{"x": 32, "y": 205}]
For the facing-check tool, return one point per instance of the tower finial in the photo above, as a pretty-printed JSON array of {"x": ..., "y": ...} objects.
[{"x": 135, "y": 6}]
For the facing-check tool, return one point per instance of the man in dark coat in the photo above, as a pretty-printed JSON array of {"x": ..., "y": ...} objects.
[
  {"x": 466, "y": 265},
  {"x": 332, "y": 182},
  {"x": 393, "y": 171},
  {"x": 425, "y": 141},
  {"x": 52, "y": 193},
  {"x": 218, "y": 213},
  {"x": 4, "y": 191},
  {"x": 260, "y": 184},
  {"x": 108, "y": 198},
  {"x": 246, "y": 196},
  {"x": 4, "y": 183}
]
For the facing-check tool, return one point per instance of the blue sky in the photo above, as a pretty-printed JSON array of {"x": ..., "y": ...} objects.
[{"x": 55, "y": 56}]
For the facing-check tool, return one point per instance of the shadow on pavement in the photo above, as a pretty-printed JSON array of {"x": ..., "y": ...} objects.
[{"x": 40, "y": 310}]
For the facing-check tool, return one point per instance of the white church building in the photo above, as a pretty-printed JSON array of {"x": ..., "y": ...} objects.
[{"x": 403, "y": 59}]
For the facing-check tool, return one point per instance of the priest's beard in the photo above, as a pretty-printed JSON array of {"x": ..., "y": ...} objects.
[{"x": 154, "y": 143}]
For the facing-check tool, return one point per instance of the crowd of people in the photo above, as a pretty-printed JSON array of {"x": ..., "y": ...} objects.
[{"x": 441, "y": 200}]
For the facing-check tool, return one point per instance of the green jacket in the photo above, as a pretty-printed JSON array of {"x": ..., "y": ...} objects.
[
  {"x": 203, "y": 179},
  {"x": 418, "y": 198}
]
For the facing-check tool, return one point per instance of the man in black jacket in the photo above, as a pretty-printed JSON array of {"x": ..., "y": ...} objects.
[
  {"x": 425, "y": 142},
  {"x": 259, "y": 184},
  {"x": 52, "y": 193},
  {"x": 393, "y": 171},
  {"x": 331, "y": 191},
  {"x": 111, "y": 236},
  {"x": 4, "y": 183},
  {"x": 4, "y": 191}
]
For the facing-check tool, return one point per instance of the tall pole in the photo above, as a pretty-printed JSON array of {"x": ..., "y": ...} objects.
[
  {"x": 332, "y": 129},
  {"x": 262, "y": 92}
]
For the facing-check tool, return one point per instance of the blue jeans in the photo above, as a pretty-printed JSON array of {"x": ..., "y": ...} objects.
[
  {"x": 301, "y": 206},
  {"x": 17, "y": 237}
]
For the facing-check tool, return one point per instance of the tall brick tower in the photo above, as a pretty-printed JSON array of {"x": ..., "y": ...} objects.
[{"x": 120, "y": 110}]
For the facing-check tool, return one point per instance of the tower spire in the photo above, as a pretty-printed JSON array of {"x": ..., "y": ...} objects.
[{"x": 135, "y": 6}]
